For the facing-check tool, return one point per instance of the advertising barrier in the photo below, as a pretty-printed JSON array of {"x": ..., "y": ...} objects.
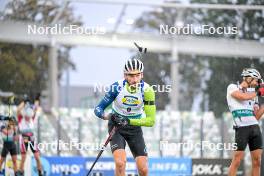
[{"x": 79, "y": 166}]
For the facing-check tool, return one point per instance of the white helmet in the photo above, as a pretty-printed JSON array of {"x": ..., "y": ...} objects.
[
  {"x": 133, "y": 66},
  {"x": 251, "y": 72}
]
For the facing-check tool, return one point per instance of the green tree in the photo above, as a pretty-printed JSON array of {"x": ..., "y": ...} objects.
[
  {"x": 207, "y": 76},
  {"x": 227, "y": 70},
  {"x": 24, "y": 68},
  {"x": 158, "y": 65}
]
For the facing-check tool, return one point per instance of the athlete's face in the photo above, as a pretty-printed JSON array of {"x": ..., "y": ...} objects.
[
  {"x": 253, "y": 82},
  {"x": 133, "y": 79}
]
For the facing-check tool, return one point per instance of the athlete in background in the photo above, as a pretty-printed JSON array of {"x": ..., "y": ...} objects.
[
  {"x": 242, "y": 100},
  {"x": 9, "y": 136},
  {"x": 26, "y": 115}
]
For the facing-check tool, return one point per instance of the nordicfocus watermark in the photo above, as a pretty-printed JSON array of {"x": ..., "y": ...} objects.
[
  {"x": 104, "y": 88},
  {"x": 68, "y": 146},
  {"x": 58, "y": 29},
  {"x": 189, "y": 145},
  {"x": 73, "y": 145},
  {"x": 197, "y": 29}
]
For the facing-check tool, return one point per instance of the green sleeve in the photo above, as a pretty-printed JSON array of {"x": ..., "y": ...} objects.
[{"x": 149, "y": 108}]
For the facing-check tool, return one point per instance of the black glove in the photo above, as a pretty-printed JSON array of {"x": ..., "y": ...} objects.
[{"x": 120, "y": 120}]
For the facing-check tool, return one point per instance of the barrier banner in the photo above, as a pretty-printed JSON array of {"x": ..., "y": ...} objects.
[{"x": 204, "y": 167}]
